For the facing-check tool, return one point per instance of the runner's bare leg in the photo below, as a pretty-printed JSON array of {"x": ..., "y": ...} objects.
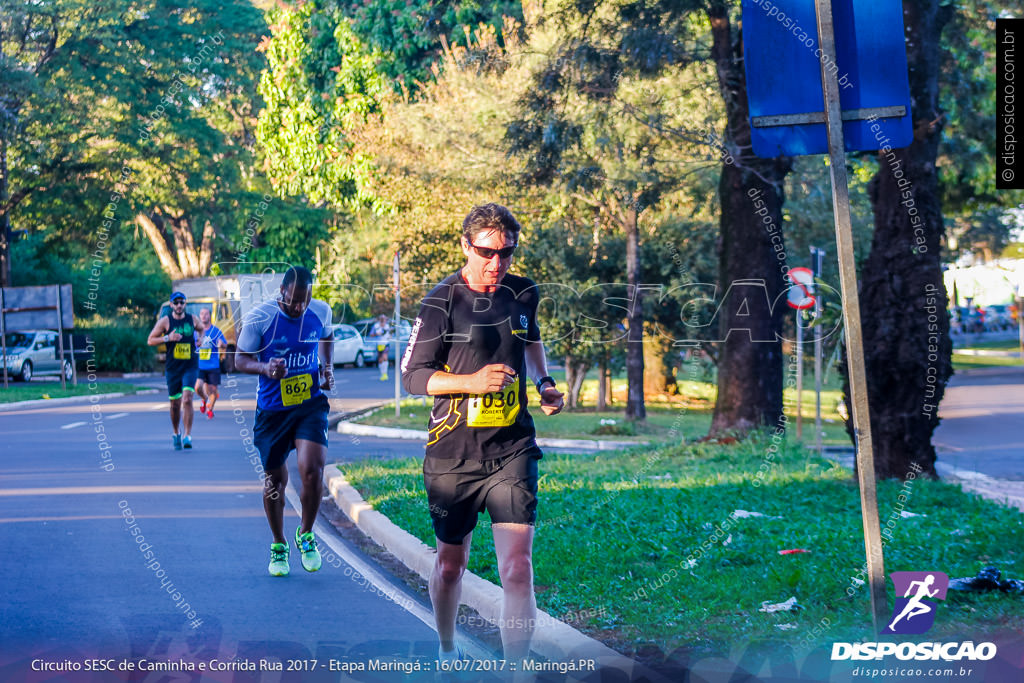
[{"x": 446, "y": 587}]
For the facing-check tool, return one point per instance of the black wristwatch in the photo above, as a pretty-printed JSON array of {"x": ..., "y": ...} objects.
[{"x": 543, "y": 380}]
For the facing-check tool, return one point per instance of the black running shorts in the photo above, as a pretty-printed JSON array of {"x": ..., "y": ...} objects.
[
  {"x": 211, "y": 376},
  {"x": 179, "y": 379},
  {"x": 459, "y": 490},
  {"x": 275, "y": 431}
]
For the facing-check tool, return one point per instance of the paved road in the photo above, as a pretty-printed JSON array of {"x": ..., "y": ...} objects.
[
  {"x": 982, "y": 414},
  {"x": 79, "y": 481}
]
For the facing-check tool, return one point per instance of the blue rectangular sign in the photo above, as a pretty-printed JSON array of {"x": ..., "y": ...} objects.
[{"x": 782, "y": 61}]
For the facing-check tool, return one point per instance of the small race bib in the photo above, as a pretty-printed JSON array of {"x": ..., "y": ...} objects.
[
  {"x": 494, "y": 409},
  {"x": 296, "y": 389},
  {"x": 182, "y": 351},
  {"x": 204, "y": 354}
]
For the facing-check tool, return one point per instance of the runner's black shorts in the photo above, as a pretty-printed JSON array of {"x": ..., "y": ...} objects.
[
  {"x": 211, "y": 376},
  {"x": 180, "y": 378},
  {"x": 459, "y": 490},
  {"x": 275, "y": 431}
]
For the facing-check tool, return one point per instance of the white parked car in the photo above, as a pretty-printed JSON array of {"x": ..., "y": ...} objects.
[
  {"x": 348, "y": 346},
  {"x": 34, "y": 352}
]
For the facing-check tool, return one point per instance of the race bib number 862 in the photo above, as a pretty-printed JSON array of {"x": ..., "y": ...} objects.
[
  {"x": 295, "y": 390},
  {"x": 494, "y": 409}
]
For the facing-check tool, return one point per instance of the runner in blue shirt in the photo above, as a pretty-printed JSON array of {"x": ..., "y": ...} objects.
[
  {"x": 289, "y": 344},
  {"x": 210, "y": 346}
]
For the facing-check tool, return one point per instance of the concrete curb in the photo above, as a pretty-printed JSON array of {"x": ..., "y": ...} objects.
[
  {"x": 36, "y": 403},
  {"x": 1004, "y": 492},
  {"x": 553, "y": 639},
  {"x": 355, "y": 429}
]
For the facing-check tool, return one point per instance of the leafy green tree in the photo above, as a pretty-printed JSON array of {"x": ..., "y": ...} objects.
[
  {"x": 409, "y": 35},
  {"x": 321, "y": 82},
  {"x": 147, "y": 111},
  {"x": 613, "y": 43}
]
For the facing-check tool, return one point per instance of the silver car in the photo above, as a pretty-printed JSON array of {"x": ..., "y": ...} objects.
[
  {"x": 348, "y": 346},
  {"x": 34, "y": 352}
]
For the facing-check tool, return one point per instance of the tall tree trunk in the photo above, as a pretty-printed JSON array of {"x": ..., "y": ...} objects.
[
  {"x": 635, "y": 408},
  {"x": 750, "y": 357},
  {"x": 575, "y": 372},
  {"x": 659, "y": 377},
  {"x": 186, "y": 260},
  {"x": 159, "y": 241},
  {"x": 602, "y": 387},
  {"x": 907, "y": 347},
  {"x": 206, "y": 248}
]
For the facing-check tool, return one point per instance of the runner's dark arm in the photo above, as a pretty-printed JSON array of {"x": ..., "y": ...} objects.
[
  {"x": 247, "y": 363},
  {"x": 326, "y": 350}
]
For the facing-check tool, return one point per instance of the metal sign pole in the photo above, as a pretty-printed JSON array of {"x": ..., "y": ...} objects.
[
  {"x": 799, "y": 376},
  {"x": 396, "y": 341},
  {"x": 851, "y": 313},
  {"x": 818, "y": 254},
  {"x": 60, "y": 338}
]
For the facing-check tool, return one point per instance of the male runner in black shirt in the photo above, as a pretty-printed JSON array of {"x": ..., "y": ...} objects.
[
  {"x": 177, "y": 330},
  {"x": 473, "y": 347}
]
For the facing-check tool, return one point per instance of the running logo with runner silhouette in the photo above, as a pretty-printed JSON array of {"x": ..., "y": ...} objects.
[{"x": 914, "y": 612}]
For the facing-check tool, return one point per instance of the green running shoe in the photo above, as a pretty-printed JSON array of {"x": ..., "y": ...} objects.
[
  {"x": 279, "y": 559},
  {"x": 307, "y": 546}
]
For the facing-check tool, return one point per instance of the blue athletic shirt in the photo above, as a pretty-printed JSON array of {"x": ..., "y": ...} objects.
[
  {"x": 209, "y": 348},
  {"x": 268, "y": 333}
]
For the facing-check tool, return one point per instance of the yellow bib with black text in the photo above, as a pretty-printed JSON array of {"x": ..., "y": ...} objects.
[
  {"x": 495, "y": 408},
  {"x": 183, "y": 351},
  {"x": 295, "y": 390}
]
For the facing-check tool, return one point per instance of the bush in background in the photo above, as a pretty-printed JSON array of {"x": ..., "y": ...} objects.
[{"x": 120, "y": 348}]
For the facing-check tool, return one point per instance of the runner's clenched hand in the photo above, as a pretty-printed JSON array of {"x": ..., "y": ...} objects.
[{"x": 494, "y": 377}]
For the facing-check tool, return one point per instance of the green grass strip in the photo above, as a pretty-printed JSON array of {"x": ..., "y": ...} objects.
[
  {"x": 18, "y": 391},
  {"x": 641, "y": 548}
]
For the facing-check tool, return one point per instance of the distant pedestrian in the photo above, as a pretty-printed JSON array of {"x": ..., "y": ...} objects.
[
  {"x": 381, "y": 332},
  {"x": 181, "y": 368}
]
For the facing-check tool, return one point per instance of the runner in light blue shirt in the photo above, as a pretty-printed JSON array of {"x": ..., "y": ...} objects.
[{"x": 289, "y": 344}]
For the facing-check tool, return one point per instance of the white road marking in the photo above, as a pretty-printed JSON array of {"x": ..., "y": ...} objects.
[
  {"x": 158, "y": 406},
  {"x": 117, "y": 415},
  {"x": 72, "y": 425}
]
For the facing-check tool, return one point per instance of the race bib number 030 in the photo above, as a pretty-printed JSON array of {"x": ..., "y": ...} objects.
[
  {"x": 494, "y": 409},
  {"x": 182, "y": 351},
  {"x": 295, "y": 390},
  {"x": 204, "y": 354}
]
